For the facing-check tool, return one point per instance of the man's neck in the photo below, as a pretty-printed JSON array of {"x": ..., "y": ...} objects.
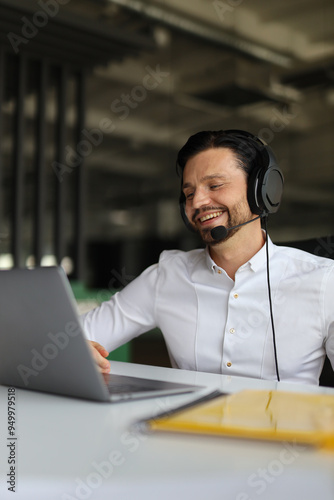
[{"x": 231, "y": 254}]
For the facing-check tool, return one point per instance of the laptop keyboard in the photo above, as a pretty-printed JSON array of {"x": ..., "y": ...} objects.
[
  {"x": 119, "y": 389},
  {"x": 124, "y": 387}
]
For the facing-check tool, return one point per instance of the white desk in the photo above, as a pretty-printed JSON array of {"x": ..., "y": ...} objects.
[{"x": 74, "y": 449}]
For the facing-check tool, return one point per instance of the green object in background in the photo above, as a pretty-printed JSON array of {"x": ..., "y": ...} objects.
[
  {"x": 122, "y": 353},
  {"x": 83, "y": 294}
]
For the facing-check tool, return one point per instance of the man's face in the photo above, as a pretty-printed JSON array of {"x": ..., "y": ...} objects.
[{"x": 215, "y": 189}]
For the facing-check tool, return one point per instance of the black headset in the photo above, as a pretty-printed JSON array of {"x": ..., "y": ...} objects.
[{"x": 265, "y": 181}]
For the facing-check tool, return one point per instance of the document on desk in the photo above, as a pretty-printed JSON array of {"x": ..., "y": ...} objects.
[{"x": 256, "y": 414}]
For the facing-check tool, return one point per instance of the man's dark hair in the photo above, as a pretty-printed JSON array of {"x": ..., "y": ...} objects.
[{"x": 245, "y": 148}]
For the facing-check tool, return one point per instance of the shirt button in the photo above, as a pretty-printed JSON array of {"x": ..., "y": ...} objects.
[
  {"x": 219, "y": 271},
  {"x": 232, "y": 330},
  {"x": 235, "y": 295},
  {"x": 229, "y": 364}
]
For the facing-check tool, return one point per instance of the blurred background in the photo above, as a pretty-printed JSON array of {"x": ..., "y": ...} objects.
[{"x": 97, "y": 97}]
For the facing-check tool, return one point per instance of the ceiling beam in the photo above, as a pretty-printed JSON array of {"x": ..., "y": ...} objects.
[{"x": 207, "y": 32}]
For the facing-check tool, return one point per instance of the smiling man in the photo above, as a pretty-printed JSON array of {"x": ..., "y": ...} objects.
[
  {"x": 216, "y": 306},
  {"x": 215, "y": 192}
]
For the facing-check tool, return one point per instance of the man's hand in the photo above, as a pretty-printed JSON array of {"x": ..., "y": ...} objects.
[{"x": 99, "y": 354}]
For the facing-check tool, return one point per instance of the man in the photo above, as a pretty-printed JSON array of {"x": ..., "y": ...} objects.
[{"x": 219, "y": 308}]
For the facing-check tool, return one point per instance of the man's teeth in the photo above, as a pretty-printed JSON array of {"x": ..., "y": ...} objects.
[{"x": 210, "y": 216}]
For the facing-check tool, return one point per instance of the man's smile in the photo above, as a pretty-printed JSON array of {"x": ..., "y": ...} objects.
[{"x": 210, "y": 216}]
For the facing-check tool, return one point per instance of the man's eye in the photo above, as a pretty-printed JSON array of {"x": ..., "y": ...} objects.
[
  {"x": 215, "y": 186},
  {"x": 189, "y": 196}
]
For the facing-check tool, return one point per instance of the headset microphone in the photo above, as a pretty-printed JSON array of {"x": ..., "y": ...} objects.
[{"x": 219, "y": 233}]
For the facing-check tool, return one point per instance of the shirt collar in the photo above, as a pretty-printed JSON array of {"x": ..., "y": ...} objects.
[
  {"x": 209, "y": 262},
  {"x": 260, "y": 258},
  {"x": 255, "y": 263}
]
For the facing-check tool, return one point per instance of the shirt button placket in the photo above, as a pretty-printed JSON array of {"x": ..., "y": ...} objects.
[{"x": 232, "y": 331}]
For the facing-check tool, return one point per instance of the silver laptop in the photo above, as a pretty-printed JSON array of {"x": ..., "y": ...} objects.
[{"x": 43, "y": 347}]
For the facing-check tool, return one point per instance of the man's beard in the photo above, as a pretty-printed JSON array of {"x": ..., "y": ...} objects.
[{"x": 235, "y": 217}]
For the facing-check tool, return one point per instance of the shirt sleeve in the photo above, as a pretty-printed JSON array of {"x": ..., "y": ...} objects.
[
  {"x": 126, "y": 315},
  {"x": 329, "y": 316}
]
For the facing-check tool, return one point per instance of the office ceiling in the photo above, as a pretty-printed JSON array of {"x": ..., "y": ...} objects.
[{"x": 267, "y": 67}]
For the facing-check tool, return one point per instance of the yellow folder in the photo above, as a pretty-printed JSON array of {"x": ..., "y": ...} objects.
[{"x": 258, "y": 414}]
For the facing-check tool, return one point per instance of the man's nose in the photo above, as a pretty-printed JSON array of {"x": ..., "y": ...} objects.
[{"x": 201, "y": 198}]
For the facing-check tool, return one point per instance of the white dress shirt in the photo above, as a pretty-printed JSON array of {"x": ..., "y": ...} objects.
[{"x": 214, "y": 324}]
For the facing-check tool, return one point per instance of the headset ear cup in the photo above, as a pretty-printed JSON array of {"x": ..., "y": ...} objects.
[
  {"x": 272, "y": 189},
  {"x": 265, "y": 185}
]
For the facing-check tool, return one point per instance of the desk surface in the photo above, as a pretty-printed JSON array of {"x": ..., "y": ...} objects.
[{"x": 74, "y": 449}]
